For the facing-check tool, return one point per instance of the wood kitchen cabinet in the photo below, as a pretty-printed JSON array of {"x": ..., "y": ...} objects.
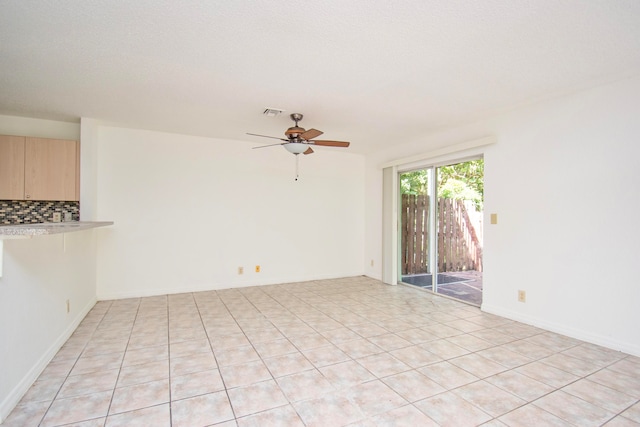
[
  {"x": 48, "y": 168},
  {"x": 12, "y": 167}
]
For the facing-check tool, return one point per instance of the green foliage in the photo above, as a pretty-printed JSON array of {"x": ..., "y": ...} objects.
[
  {"x": 414, "y": 182},
  {"x": 460, "y": 181}
]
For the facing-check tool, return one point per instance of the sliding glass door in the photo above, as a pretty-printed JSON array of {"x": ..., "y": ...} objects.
[{"x": 440, "y": 229}]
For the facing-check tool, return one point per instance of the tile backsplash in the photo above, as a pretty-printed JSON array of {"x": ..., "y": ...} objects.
[{"x": 32, "y": 211}]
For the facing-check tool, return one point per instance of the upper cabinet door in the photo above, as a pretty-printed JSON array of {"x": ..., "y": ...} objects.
[
  {"x": 11, "y": 167},
  {"x": 51, "y": 171}
]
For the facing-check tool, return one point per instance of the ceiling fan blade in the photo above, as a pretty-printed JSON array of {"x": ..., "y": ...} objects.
[
  {"x": 309, "y": 151},
  {"x": 270, "y": 145},
  {"x": 310, "y": 134},
  {"x": 330, "y": 143},
  {"x": 266, "y": 136}
]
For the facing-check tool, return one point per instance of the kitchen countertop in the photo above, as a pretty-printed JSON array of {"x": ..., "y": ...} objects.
[{"x": 21, "y": 231}]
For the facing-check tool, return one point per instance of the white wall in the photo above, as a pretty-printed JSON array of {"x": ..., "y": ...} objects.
[
  {"x": 39, "y": 275},
  {"x": 189, "y": 211},
  {"x": 563, "y": 178}
]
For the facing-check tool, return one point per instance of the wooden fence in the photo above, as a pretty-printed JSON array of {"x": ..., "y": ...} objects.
[{"x": 459, "y": 248}]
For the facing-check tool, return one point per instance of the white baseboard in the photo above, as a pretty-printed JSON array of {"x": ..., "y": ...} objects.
[
  {"x": 105, "y": 296},
  {"x": 13, "y": 398},
  {"x": 579, "y": 334}
]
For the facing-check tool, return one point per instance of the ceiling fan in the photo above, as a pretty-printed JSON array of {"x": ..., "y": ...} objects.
[{"x": 299, "y": 141}]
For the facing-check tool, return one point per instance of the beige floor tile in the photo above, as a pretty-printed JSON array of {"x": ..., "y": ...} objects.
[
  {"x": 287, "y": 364},
  {"x": 343, "y": 335},
  {"x": 447, "y": 375},
  {"x": 367, "y": 330},
  {"x": 389, "y": 342},
  {"x": 139, "y": 396},
  {"x": 339, "y": 335},
  {"x": 329, "y": 410},
  {"x": 157, "y": 416},
  {"x": 256, "y": 398},
  {"x": 202, "y": 410},
  {"x": 505, "y": 357},
  {"x": 464, "y": 325},
  {"x": 573, "y": 409},
  {"x": 236, "y": 355},
  {"x": 621, "y": 421},
  {"x": 310, "y": 341},
  {"x": 27, "y": 414},
  {"x": 374, "y": 397},
  {"x": 273, "y": 348},
  {"x": 305, "y": 385},
  {"x": 407, "y": 415},
  {"x": 494, "y": 336},
  {"x": 416, "y": 335},
  {"x": 346, "y": 374},
  {"x": 447, "y": 409},
  {"x": 359, "y": 348},
  {"x": 444, "y": 349},
  {"x": 600, "y": 395},
  {"x": 100, "y": 362},
  {"x": 626, "y": 366},
  {"x": 277, "y": 417},
  {"x": 415, "y": 356},
  {"x": 553, "y": 341},
  {"x": 324, "y": 356},
  {"x": 477, "y": 365},
  {"x": 76, "y": 409},
  {"x": 244, "y": 374},
  {"x": 413, "y": 385},
  {"x": 57, "y": 368},
  {"x": 43, "y": 390},
  {"x": 491, "y": 399},
  {"x": 193, "y": 363},
  {"x": 528, "y": 349},
  {"x": 93, "y": 382},
  {"x": 547, "y": 374},
  {"x": 197, "y": 383},
  {"x": 520, "y": 385},
  {"x": 145, "y": 355},
  {"x": 187, "y": 348},
  {"x": 138, "y": 374},
  {"x": 595, "y": 354},
  {"x": 147, "y": 340},
  {"x": 633, "y": 413},
  {"x": 570, "y": 364},
  {"x": 470, "y": 342},
  {"x": 227, "y": 339},
  {"x": 532, "y": 416},
  {"x": 383, "y": 364}
]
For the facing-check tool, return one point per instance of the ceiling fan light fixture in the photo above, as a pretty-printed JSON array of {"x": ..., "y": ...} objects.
[{"x": 296, "y": 147}]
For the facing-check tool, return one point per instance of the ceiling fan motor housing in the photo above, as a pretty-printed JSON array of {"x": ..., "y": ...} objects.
[{"x": 294, "y": 131}]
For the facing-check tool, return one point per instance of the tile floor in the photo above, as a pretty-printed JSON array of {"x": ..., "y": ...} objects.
[{"x": 331, "y": 353}]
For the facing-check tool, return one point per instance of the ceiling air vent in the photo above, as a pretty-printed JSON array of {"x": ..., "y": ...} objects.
[{"x": 271, "y": 112}]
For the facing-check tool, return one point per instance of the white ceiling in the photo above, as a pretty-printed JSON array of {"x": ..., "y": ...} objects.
[{"x": 370, "y": 72}]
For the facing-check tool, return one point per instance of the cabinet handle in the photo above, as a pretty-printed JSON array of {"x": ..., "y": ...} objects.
[{"x": 28, "y": 196}]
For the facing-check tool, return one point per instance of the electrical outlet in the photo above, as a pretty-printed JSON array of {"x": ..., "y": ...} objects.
[
  {"x": 68, "y": 306},
  {"x": 57, "y": 217},
  {"x": 257, "y": 269},
  {"x": 240, "y": 270},
  {"x": 494, "y": 218},
  {"x": 522, "y": 296},
  {"x": 68, "y": 216}
]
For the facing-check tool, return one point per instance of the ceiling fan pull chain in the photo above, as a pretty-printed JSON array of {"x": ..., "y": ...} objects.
[{"x": 297, "y": 166}]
